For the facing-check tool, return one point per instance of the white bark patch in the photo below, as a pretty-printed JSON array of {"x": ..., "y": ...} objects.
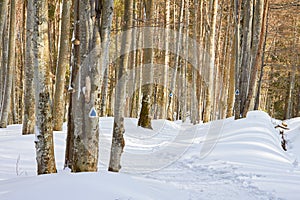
[{"x": 87, "y": 93}]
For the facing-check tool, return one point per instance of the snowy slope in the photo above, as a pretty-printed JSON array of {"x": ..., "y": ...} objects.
[{"x": 223, "y": 159}]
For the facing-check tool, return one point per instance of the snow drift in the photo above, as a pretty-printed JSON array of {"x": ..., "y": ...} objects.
[{"x": 225, "y": 159}]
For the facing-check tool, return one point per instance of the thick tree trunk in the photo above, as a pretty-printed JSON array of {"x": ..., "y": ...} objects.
[
  {"x": 44, "y": 133},
  {"x": 62, "y": 64},
  {"x": 86, "y": 82},
  {"x": 5, "y": 107}
]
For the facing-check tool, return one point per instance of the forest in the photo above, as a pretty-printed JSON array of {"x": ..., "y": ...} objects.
[{"x": 192, "y": 60}]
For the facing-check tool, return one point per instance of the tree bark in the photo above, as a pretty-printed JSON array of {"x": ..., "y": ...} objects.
[
  {"x": 44, "y": 133},
  {"x": 171, "y": 98},
  {"x": 30, "y": 60},
  {"x": 260, "y": 21},
  {"x": 5, "y": 108},
  {"x": 118, "y": 141},
  {"x": 62, "y": 64},
  {"x": 211, "y": 61},
  {"x": 145, "y": 114}
]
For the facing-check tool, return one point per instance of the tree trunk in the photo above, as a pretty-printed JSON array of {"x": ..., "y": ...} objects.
[
  {"x": 107, "y": 16},
  {"x": 30, "y": 60},
  {"x": 44, "y": 133},
  {"x": 5, "y": 108},
  {"x": 118, "y": 141},
  {"x": 171, "y": 97},
  {"x": 211, "y": 61},
  {"x": 260, "y": 21},
  {"x": 245, "y": 53},
  {"x": 62, "y": 64},
  {"x": 289, "y": 97},
  {"x": 86, "y": 79},
  {"x": 145, "y": 114},
  {"x": 3, "y": 17}
]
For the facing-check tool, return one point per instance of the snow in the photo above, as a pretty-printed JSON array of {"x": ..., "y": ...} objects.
[{"x": 225, "y": 159}]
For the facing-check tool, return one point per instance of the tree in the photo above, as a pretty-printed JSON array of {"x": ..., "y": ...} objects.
[
  {"x": 170, "y": 108},
  {"x": 118, "y": 141},
  {"x": 145, "y": 114},
  {"x": 63, "y": 62},
  {"x": 44, "y": 133},
  {"x": 211, "y": 61},
  {"x": 30, "y": 61},
  {"x": 5, "y": 108},
  {"x": 83, "y": 128}
]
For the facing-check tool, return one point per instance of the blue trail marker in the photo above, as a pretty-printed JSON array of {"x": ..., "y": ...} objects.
[{"x": 93, "y": 113}]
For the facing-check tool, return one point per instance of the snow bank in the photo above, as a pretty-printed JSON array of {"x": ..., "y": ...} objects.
[{"x": 225, "y": 159}]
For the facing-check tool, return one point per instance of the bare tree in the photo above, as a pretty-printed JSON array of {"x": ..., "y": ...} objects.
[
  {"x": 62, "y": 64},
  {"x": 44, "y": 133},
  {"x": 145, "y": 114},
  {"x": 5, "y": 107},
  {"x": 30, "y": 60},
  {"x": 211, "y": 60},
  {"x": 118, "y": 141}
]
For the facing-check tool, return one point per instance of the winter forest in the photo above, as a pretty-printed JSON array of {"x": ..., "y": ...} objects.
[{"x": 136, "y": 69}]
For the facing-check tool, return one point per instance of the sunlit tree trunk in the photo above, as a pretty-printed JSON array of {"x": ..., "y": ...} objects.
[
  {"x": 107, "y": 15},
  {"x": 118, "y": 141},
  {"x": 171, "y": 98},
  {"x": 44, "y": 132},
  {"x": 145, "y": 114},
  {"x": 30, "y": 59},
  {"x": 86, "y": 82},
  {"x": 62, "y": 64},
  {"x": 5, "y": 107},
  {"x": 211, "y": 61},
  {"x": 261, "y": 9}
]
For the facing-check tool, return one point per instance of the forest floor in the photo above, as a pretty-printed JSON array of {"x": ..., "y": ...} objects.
[{"x": 225, "y": 159}]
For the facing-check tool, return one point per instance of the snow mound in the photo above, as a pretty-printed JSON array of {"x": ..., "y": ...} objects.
[
  {"x": 224, "y": 159},
  {"x": 103, "y": 185}
]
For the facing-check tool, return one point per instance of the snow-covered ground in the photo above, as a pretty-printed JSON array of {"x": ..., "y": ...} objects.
[{"x": 223, "y": 159}]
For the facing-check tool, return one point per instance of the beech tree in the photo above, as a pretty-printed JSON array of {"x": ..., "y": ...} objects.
[
  {"x": 44, "y": 133},
  {"x": 118, "y": 141},
  {"x": 62, "y": 64},
  {"x": 30, "y": 62},
  {"x": 5, "y": 107}
]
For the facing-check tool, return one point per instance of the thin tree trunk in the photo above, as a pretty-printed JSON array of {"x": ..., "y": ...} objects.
[
  {"x": 5, "y": 108},
  {"x": 107, "y": 15},
  {"x": 171, "y": 97},
  {"x": 288, "y": 102},
  {"x": 211, "y": 61},
  {"x": 44, "y": 133},
  {"x": 29, "y": 98},
  {"x": 167, "y": 60},
  {"x": 260, "y": 19},
  {"x": 145, "y": 114},
  {"x": 118, "y": 141},
  {"x": 246, "y": 56},
  {"x": 62, "y": 64}
]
